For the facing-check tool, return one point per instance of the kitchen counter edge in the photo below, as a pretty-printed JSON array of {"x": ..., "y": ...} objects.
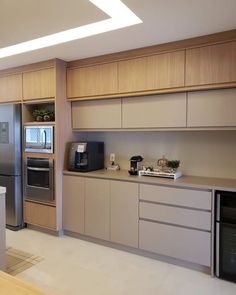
[{"x": 186, "y": 181}]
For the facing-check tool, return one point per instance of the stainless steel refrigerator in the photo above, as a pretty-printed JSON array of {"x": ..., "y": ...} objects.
[{"x": 10, "y": 163}]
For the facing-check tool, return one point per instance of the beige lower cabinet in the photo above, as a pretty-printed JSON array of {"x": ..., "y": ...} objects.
[
  {"x": 124, "y": 213},
  {"x": 97, "y": 208},
  {"x": 96, "y": 114},
  {"x": 212, "y": 108},
  {"x": 73, "y": 203},
  {"x": 156, "y": 111},
  {"x": 177, "y": 242},
  {"x": 176, "y": 222}
]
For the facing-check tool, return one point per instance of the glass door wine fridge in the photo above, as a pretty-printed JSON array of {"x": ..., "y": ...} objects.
[{"x": 225, "y": 238}]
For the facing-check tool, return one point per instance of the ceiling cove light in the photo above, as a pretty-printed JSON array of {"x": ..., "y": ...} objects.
[{"x": 120, "y": 17}]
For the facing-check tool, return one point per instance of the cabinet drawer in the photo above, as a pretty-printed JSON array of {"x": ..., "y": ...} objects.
[
  {"x": 176, "y": 196},
  {"x": 41, "y": 215},
  {"x": 181, "y": 243},
  {"x": 180, "y": 216}
]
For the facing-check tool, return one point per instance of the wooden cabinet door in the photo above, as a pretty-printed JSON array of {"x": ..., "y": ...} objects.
[
  {"x": 213, "y": 108},
  {"x": 96, "y": 114},
  {"x": 39, "y": 84},
  {"x": 124, "y": 213},
  {"x": 40, "y": 215},
  {"x": 73, "y": 203},
  {"x": 211, "y": 64},
  {"x": 97, "y": 208},
  {"x": 152, "y": 73},
  {"x": 156, "y": 111},
  {"x": 11, "y": 88},
  {"x": 92, "y": 80},
  {"x": 165, "y": 70}
]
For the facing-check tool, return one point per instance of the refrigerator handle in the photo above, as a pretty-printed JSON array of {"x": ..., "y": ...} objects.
[{"x": 218, "y": 197}]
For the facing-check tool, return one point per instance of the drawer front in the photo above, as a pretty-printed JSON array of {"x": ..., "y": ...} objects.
[
  {"x": 180, "y": 216},
  {"x": 176, "y": 196},
  {"x": 181, "y": 243}
]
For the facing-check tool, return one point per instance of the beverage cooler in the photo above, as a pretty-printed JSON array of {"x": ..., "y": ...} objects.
[{"x": 225, "y": 236}]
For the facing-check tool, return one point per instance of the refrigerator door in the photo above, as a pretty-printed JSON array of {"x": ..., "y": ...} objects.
[
  {"x": 10, "y": 139},
  {"x": 14, "y": 206}
]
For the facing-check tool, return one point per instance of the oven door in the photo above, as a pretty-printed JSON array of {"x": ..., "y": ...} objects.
[{"x": 39, "y": 183}]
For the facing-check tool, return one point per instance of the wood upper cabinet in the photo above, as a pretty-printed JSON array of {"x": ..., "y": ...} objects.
[
  {"x": 212, "y": 108},
  {"x": 96, "y": 114},
  {"x": 124, "y": 213},
  {"x": 152, "y": 73},
  {"x": 92, "y": 80},
  {"x": 211, "y": 64},
  {"x": 73, "y": 203},
  {"x": 156, "y": 111},
  {"x": 11, "y": 88},
  {"x": 39, "y": 84},
  {"x": 97, "y": 208}
]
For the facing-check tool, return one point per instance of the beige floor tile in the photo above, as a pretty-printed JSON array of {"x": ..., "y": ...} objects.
[{"x": 75, "y": 267}]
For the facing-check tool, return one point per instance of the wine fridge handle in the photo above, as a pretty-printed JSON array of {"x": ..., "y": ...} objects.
[{"x": 218, "y": 197}]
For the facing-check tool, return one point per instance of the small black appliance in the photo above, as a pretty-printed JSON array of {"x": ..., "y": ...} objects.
[
  {"x": 134, "y": 164},
  {"x": 86, "y": 156}
]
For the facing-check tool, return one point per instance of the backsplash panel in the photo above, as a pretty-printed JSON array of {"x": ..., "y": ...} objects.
[{"x": 202, "y": 153}]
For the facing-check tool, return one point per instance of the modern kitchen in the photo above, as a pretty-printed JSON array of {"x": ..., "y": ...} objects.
[{"x": 117, "y": 147}]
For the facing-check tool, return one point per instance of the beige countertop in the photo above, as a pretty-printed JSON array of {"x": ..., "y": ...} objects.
[
  {"x": 2, "y": 190},
  {"x": 208, "y": 183}
]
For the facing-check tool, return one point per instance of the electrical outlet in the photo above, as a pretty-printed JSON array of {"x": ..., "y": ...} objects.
[{"x": 112, "y": 157}]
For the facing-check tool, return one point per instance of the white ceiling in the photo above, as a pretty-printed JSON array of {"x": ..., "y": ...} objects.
[{"x": 163, "y": 21}]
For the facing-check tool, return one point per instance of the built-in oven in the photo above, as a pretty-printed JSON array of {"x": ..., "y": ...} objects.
[
  {"x": 38, "y": 139},
  {"x": 225, "y": 238},
  {"x": 39, "y": 179}
]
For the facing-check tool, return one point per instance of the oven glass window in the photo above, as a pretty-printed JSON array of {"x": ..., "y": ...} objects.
[{"x": 38, "y": 178}]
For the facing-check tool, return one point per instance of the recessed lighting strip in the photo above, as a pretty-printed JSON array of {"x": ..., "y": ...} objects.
[{"x": 120, "y": 17}]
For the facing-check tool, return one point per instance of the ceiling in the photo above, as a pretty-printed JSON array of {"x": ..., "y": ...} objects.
[{"x": 163, "y": 21}]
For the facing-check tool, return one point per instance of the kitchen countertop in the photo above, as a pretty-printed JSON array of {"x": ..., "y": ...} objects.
[
  {"x": 199, "y": 182},
  {"x": 13, "y": 286},
  {"x": 2, "y": 190}
]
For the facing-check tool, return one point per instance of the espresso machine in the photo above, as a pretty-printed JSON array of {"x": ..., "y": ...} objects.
[
  {"x": 135, "y": 164},
  {"x": 86, "y": 156}
]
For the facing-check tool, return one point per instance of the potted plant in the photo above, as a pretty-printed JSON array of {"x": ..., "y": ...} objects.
[
  {"x": 43, "y": 115},
  {"x": 173, "y": 165}
]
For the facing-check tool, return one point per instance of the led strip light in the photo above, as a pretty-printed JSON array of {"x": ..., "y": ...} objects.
[{"x": 120, "y": 17}]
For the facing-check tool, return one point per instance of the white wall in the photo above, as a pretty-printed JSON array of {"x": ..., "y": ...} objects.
[{"x": 202, "y": 153}]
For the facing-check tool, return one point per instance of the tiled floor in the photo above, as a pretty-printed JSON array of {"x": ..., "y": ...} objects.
[
  {"x": 74, "y": 267},
  {"x": 18, "y": 261}
]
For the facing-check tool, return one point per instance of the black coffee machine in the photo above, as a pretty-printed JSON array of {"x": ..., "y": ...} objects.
[
  {"x": 86, "y": 156},
  {"x": 134, "y": 164}
]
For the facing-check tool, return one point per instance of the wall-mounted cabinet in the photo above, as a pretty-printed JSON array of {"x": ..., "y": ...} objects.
[
  {"x": 211, "y": 64},
  {"x": 92, "y": 80},
  {"x": 213, "y": 108},
  {"x": 39, "y": 84},
  {"x": 157, "y": 111},
  {"x": 153, "y": 72},
  {"x": 11, "y": 88},
  {"x": 96, "y": 114}
]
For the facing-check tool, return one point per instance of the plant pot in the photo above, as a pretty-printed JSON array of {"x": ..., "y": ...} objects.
[
  {"x": 46, "y": 118},
  {"x": 39, "y": 118}
]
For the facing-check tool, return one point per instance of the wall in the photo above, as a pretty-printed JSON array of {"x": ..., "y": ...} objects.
[{"x": 202, "y": 153}]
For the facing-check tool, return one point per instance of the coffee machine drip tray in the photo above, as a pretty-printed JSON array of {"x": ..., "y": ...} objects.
[{"x": 158, "y": 173}]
